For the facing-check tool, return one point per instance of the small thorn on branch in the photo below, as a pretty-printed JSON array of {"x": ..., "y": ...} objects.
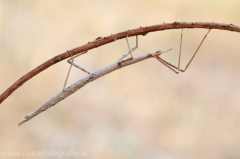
[
  {"x": 144, "y": 34},
  {"x": 98, "y": 38}
]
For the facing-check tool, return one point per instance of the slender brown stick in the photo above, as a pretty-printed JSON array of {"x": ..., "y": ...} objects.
[{"x": 113, "y": 37}]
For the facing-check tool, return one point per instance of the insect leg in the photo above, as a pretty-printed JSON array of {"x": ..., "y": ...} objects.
[
  {"x": 130, "y": 51},
  {"x": 71, "y": 62},
  {"x": 169, "y": 65},
  {"x": 196, "y": 51}
]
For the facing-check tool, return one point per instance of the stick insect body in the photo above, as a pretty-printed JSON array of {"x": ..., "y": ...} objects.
[{"x": 92, "y": 76}]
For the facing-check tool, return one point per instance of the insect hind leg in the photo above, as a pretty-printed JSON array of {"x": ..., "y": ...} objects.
[
  {"x": 196, "y": 51},
  {"x": 172, "y": 66}
]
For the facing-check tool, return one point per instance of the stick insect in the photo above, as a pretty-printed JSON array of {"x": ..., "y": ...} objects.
[
  {"x": 171, "y": 66},
  {"x": 93, "y": 76}
]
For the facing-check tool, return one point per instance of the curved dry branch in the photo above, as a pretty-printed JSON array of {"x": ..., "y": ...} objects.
[
  {"x": 113, "y": 37},
  {"x": 82, "y": 82}
]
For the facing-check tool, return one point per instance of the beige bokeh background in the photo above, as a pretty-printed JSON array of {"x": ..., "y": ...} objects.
[{"x": 141, "y": 111}]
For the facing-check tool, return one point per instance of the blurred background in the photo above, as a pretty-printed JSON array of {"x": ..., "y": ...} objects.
[{"x": 141, "y": 111}]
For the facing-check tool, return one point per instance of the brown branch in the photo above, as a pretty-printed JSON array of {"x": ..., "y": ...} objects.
[{"x": 113, "y": 37}]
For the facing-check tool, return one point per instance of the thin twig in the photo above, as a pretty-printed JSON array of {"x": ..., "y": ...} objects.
[
  {"x": 82, "y": 82},
  {"x": 113, "y": 37}
]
